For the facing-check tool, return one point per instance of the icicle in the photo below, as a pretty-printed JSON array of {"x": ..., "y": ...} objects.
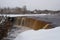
[{"x": 22, "y": 21}]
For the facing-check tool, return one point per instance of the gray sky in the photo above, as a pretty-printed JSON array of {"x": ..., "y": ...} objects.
[{"x": 32, "y": 4}]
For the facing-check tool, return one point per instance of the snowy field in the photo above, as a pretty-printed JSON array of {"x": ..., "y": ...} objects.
[
  {"x": 16, "y": 15},
  {"x": 50, "y": 34}
]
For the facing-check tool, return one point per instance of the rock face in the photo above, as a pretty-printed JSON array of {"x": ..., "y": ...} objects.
[
  {"x": 32, "y": 23},
  {"x": 4, "y": 28}
]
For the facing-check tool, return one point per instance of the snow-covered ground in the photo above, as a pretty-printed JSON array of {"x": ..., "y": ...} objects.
[
  {"x": 16, "y": 15},
  {"x": 43, "y": 34}
]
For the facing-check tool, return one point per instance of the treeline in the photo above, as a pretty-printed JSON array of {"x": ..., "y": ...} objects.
[{"x": 18, "y": 10}]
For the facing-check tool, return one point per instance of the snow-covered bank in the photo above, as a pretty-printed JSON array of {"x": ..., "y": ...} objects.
[
  {"x": 16, "y": 15},
  {"x": 49, "y": 34}
]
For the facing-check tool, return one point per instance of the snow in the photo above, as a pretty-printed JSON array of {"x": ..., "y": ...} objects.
[
  {"x": 16, "y": 15},
  {"x": 42, "y": 34}
]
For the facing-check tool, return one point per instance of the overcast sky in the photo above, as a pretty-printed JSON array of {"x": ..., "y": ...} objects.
[{"x": 32, "y": 4}]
